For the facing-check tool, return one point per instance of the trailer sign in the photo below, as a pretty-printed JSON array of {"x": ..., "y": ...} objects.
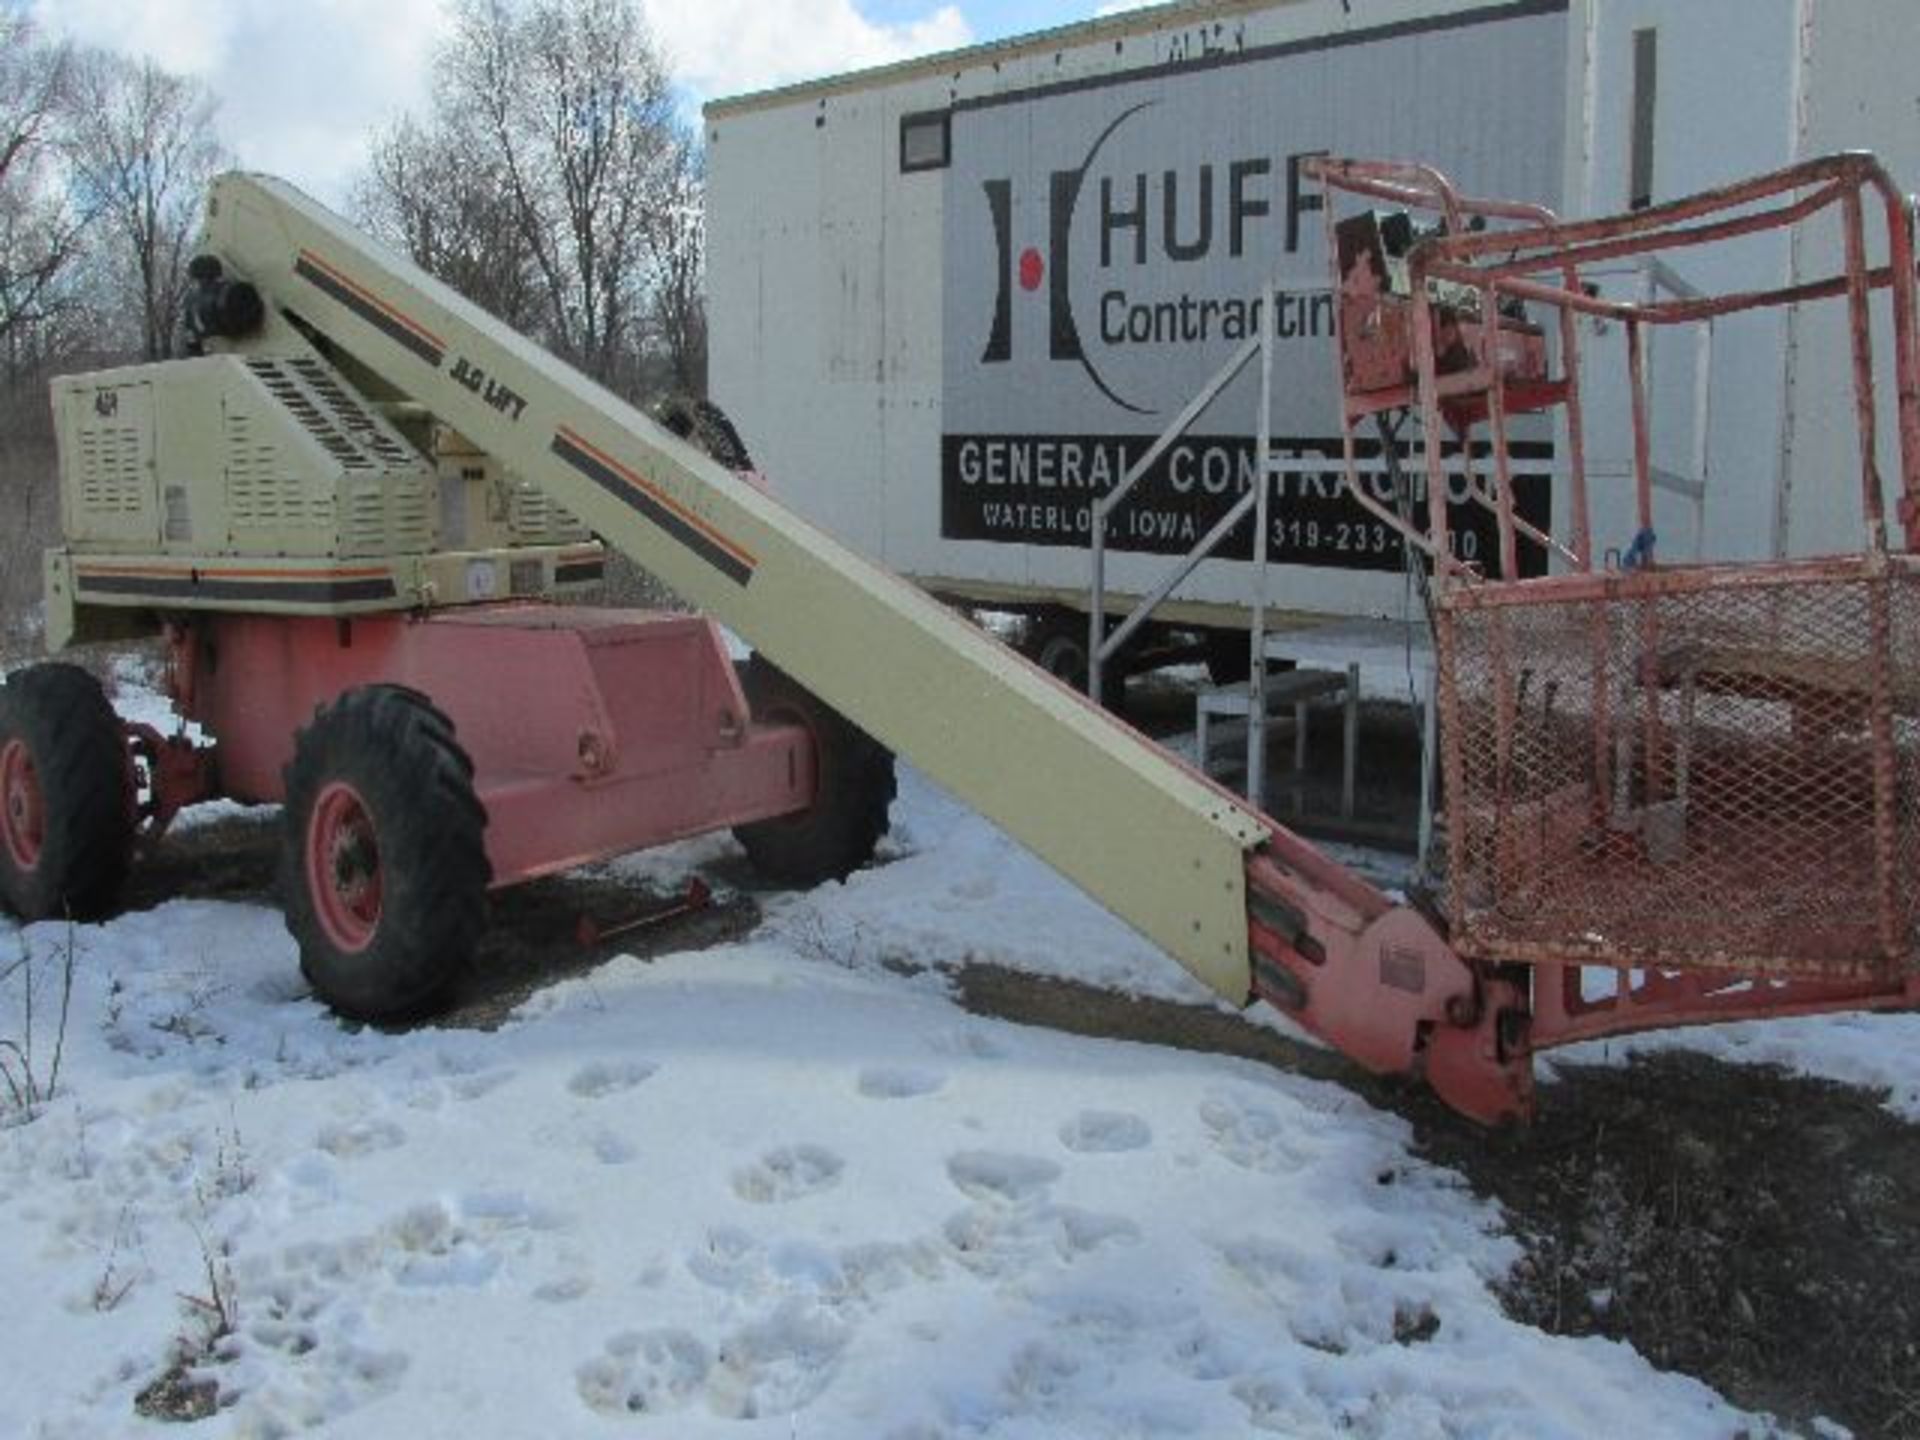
[{"x": 1107, "y": 245}]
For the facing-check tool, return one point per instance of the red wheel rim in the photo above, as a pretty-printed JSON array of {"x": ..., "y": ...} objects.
[
  {"x": 23, "y": 810},
  {"x": 343, "y": 867}
]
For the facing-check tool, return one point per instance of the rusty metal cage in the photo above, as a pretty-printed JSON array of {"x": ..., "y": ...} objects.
[
  {"x": 1709, "y": 768},
  {"x": 1704, "y": 778}
]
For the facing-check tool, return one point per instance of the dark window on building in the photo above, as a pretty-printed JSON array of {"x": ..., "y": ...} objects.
[
  {"x": 926, "y": 141},
  {"x": 1640, "y": 145}
]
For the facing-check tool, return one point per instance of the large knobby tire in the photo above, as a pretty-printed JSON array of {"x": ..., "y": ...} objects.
[
  {"x": 835, "y": 835},
  {"x": 705, "y": 424},
  {"x": 66, "y": 795},
  {"x": 383, "y": 862}
]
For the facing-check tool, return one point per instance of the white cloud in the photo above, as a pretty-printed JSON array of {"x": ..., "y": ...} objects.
[
  {"x": 302, "y": 87},
  {"x": 725, "y": 47}
]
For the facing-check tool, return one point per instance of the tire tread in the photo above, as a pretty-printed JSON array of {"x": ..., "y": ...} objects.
[
  {"x": 396, "y": 743},
  {"x": 80, "y": 752}
]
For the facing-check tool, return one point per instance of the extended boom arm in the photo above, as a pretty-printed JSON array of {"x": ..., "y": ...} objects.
[{"x": 1240, "y": 902}]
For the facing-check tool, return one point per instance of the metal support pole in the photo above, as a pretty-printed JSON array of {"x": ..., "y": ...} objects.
[
  {"x": 1349, "y": 764},
  {"x": 1257, "y": 628},
  {"x": 1429, "y": 744}
]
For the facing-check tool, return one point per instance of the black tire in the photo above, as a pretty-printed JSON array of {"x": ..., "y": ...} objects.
[
  {"x": 388, "y": 922},
  {"x": 706, "y": 425},
  {"x": 66, "y": 795},
  {"x": 836, "y": 835},
  {"x": 1229, "y": 656},
  {"x": 1056, "y": 641}
]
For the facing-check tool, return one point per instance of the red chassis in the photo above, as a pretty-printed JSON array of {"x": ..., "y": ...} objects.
[{"x": 591, "y": 732}]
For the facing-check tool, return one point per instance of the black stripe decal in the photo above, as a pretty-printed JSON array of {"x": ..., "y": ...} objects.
[
  {"x": 1313, "y": 45},
  {"x": 617, "y": 485},
  {"x": 369, "y": 312},
  {"x": 579, "y": 572},
  {"x": 210, "y": 587}
]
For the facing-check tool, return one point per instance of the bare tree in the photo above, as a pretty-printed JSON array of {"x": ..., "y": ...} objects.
[
  {"x": 676, "y": 247},
  {"x": 142, "y": 149},
  {"x": 40, "y": 228},
  {"x": 440, "y": 198},
  {"x": 557, "y": 115}
]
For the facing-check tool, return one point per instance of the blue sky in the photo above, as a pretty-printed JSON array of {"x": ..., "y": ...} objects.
[{"x": 989, "y": 19}]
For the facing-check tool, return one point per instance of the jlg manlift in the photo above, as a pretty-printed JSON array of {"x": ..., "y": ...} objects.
[{"x": 350, "y": 516}]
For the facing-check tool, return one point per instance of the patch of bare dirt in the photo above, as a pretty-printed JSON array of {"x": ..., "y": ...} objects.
[
  {"x": 1754, "y": 1229},
  {"x": 1758, "y": 1230}
]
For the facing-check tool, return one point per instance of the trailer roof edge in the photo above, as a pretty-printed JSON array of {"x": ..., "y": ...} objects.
[{"x": 1078, "y": 32}]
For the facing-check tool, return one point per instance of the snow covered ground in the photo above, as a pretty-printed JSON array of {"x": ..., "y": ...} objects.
[{"x": 770, "y": 1189}]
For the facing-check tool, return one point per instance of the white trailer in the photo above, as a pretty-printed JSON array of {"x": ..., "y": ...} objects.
[{"x": 953, "y": 298}]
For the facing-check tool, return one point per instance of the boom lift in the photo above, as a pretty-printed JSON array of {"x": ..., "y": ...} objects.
[{"x": 351, "y": 516}]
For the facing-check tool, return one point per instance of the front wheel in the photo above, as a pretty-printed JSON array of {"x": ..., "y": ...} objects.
[
  {"x": 66, "y": 795},
  {"x": 384, "y": 866},
  {"x": 837, "y": 833}
]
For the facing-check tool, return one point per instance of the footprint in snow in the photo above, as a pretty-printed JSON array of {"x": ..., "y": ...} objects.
[
  {"x": 1040, "y": 1374},
  {"x": 428, "y": 1248},
  {"x": 508, "y": 1210},
  {"x": 563, "y": 1291},
  {"x": 1251, "y": 1136},
  {"x": 1276, "y": 1270},
  {"x": 788, "y": 1173},
  {"x": 731, "y": 1259},
  {"x": 363, "y": 1137},
  {"x": 899, "y": 1084},
  {"x": 778, "y": 1365},
  {"x": 611, "y": 1149},
  {"x": 990, "y": 1175},
  {"x": 971, "y": 1043},
  {"x": 609, "y": 1077},
  {"x": 1105, "y": 1132},
  {"x": 645, "y": 1372},
  {"x": 478, "y": 1084}
]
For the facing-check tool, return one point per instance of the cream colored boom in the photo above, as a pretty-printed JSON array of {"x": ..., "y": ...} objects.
[{"x": 1143, "y": 834}]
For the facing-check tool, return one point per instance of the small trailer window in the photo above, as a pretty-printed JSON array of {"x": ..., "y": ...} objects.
[
  {"x": 926, "y": 141},
  {"x": 1640, "y": 143}
]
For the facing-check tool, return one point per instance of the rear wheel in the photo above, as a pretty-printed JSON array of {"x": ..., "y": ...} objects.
[
  {"x": 383, "y": 860},
  {"x": 706, "y": 425},
  {"x": 66, "y": 795},
  {"x": 837, "y": 834}
]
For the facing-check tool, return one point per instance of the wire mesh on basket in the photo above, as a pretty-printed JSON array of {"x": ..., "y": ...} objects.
[{"x": 1703, "y": 776}]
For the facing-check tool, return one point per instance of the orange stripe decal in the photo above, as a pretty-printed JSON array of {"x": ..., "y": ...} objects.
[{"x": 738, "y": 552}]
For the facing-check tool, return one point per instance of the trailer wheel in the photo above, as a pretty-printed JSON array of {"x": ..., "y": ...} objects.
[
  {"x": 1057, "y": 642},
  {"x": 383, "y": 865},
  {"x": 706, "y": 425},
  {"x": 836, "y": 835},
  {"x": 1229, "y": 656},
  {"x": 66, "y": 795}
]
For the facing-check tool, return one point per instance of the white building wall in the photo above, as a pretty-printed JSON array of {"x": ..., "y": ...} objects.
[
  {"x": 1862, "y": 92},
  {"x": 1723, "y": 110}
]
